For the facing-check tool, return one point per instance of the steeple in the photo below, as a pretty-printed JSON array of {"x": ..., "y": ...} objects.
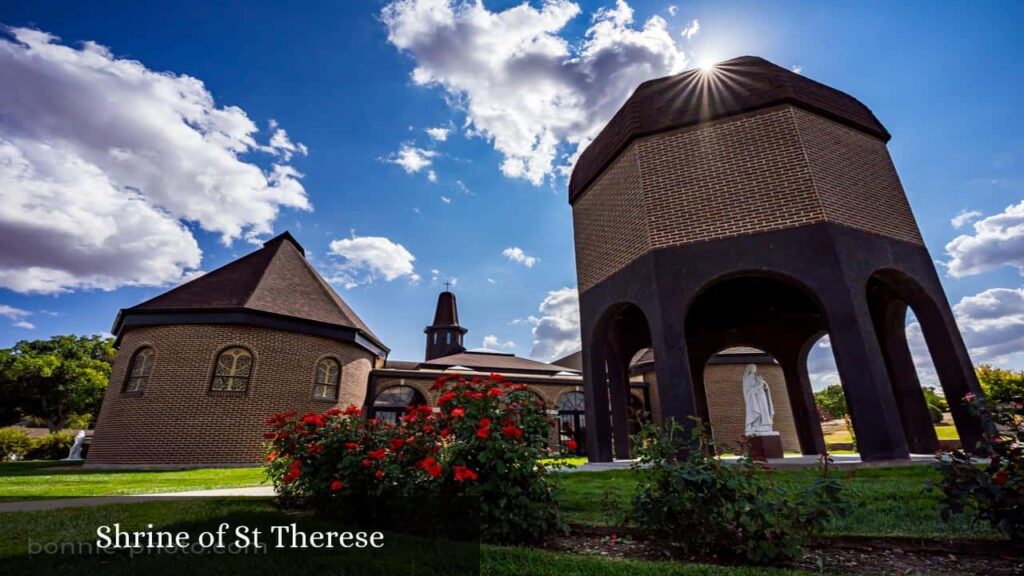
[{"x": 444, "y": 336}]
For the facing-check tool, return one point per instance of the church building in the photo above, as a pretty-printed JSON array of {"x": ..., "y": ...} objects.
[{"x": 201, "y": 367}]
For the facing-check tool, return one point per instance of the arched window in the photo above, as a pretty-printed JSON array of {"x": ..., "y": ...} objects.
[
  {"x": 572, "y": 423},
  {"x": 328, "y": 375},
  {"x": 139, "y": 370},
  {"x": 392, "y": 402},
  {"x": 234, "y": 368}
]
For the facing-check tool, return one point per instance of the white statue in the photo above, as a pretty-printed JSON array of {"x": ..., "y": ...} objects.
[
  {"x": 758, "y": 398},
  {"x": 76, "y": 448}
]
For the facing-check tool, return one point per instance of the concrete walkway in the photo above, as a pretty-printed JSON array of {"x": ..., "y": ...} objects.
[{"x": 840, "y": 461}]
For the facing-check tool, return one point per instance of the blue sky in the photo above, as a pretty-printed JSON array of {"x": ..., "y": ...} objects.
[{"x": 945, "y": 79}]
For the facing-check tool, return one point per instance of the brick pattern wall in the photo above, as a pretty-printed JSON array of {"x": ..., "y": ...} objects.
[
  {"x": 741, "y": 176},
  {"x": 176, "y": 421},
  {"x": 777, "y": 168},
  {"x": 856, "y": 179},
  {"x": 609, "y": 223},
  {"x": 724, "y": 389}
]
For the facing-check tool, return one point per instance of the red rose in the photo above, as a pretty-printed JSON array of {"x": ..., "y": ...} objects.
[
  {"x": 337, "y": 485},
  {"x": 483, "y": 430},
  {"x": 571, "y": 445},
  {"x": 367, "y": 462},
  {"x": 512, "y": 431},
  {"x": 353, "y": 410},
  {"x": 396, "y": 444},
  {"x": 463, "y": 473},
  {"x": 351, "y": 446},
  {"x": 1001, "y": 477},
  {"x": 378, "y": 474},
  {"x": 458, "y": 412},
  {"x": 378, "y": 454},
  {"x": 446, "y": 398},
  {"x": 497, "y": 378},
  {"x": 495, "y": 392}
]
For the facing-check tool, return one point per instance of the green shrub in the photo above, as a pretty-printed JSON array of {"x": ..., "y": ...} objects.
[
  {"x": 474, "y": 465},
  {"x": 78, "y": 422},
  {"x": 14, "y": 442},
  {"x": 51, "y": 447},
  {"x": 722, "y": 511},
  {"x": 935, "y": 414},
  {"x": 993, "y": 493}
]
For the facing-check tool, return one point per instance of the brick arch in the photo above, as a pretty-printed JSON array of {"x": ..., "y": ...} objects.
[
  {"x": 131, "y": 361},
  {"x": 429, "y": 396},
  {"x": 316, "y": 367}
]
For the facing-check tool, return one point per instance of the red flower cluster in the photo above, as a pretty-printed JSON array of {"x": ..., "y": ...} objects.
[
  {"x": 463, "y": 473},
  {"x": 337, "y": 485},
  {"x": 483, "y": 428},
  {"x": 430, "y": 465},
  {"x": 294, "y": 471}
]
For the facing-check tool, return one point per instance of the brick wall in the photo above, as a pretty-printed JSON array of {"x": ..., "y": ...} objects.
[
  {"x": 176, "y": 422},
  {"x": 856, "y": 179},
  {"x": 772, "y": 169},
  {"x": 609, "y": 224}
]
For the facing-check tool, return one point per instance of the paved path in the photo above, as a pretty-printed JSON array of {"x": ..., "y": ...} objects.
[{"x": 842, "y": 461}]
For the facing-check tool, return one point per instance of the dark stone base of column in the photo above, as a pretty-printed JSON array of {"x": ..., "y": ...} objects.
[{"x": 764, "y": 447}]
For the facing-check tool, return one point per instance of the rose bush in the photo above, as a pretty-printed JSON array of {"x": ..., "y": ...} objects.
[
  {"x": 474, "y": 461},
  {"x": 732, "y": 512},
  {"x": 993, "y": 492}
]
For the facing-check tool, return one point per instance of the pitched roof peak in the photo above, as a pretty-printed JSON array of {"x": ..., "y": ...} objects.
[{"x": 285, "y": 236}]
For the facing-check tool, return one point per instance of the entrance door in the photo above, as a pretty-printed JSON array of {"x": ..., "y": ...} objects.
[{"x": 572, "y": 424}]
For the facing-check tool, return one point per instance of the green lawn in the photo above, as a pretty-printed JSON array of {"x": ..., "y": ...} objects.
[
  {"x": 888, "y": 501},
  {"x": 943, "y": 431},
  {"x": 38, "y": 480},
  {"x": 404, "y": 556}
]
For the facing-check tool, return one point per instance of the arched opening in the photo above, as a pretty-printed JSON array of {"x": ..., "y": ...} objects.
[
  {"x": 830, "y": 401},
  {"x": 572, "y": 422},
  {"x": 391, "y": 403},
  {"x": 772, "y": 314},
  {"x": 724, "y": 380},
  {"x": 621, "y": 333},
  {"x": 918, "y": 354}
]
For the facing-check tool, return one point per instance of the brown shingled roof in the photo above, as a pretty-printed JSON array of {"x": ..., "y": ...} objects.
[
  {"x": 494, "y": 361},
  {"x": 276, "y": 279},
  {"x": 735, "y": 86}
]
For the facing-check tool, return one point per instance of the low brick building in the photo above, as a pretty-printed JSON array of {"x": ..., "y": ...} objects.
[{"x": 201, "y": 367}]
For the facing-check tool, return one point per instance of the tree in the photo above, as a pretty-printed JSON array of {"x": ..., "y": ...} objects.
[
  {"x": 56, "y": 378},
  {"x": 932, "y": 398},
  {"x": 1001, "y": 385},
  {"x": 832, "y": 401}
]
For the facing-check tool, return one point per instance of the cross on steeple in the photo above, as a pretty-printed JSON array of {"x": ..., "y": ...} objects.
[{"x": 447, "y": 286}]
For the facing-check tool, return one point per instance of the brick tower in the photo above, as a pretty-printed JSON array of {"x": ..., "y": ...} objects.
[
  {"x": 444, "y": 336},
  {"x": 751, "y": 206}
]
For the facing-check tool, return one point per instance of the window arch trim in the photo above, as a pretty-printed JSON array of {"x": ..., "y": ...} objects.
[
  {"x": 319, "y": 386},
  {"x": 136, "y": 377},
  {"x": 237, "y": 383}
]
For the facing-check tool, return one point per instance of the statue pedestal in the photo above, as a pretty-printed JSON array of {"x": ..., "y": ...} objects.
[{"x": 766, "y": 446}]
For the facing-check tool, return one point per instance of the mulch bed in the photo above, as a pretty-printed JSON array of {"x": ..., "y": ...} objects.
[{"x": 841, "y": 555}]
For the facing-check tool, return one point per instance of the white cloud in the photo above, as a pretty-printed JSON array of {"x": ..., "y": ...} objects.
[
  {"x": 522, "y": 85},
  {"x": 13, "y": 313},
  {"x": 446, "y": 199},
  {"x": 516, "y": 254},
  {"x": 411, "y": 158},
  {"x": 992, "y": 323},
  {"x": 691, "y": 29},
  {"x": 492, "y": 281},
  {"x": 431, "y": 175},
  {"x": 366, "y": 258},
  {"x": 440, "y": 134},
  {"x": 25, "y": 325},
  {"x": 964, "y": 217},
  {"x": 796, "y": 68},
  {"x": 492, "y": 342},
  {"x": 102, "y": 160},
  {"x": 556, "y": 332},
  {"x": 672, "y": 10},
  {"x": 997, "y": 241}
]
